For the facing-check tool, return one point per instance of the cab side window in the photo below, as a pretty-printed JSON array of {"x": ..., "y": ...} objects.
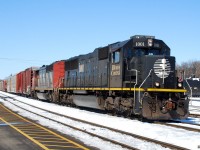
[{"x": 116, "y": 57}]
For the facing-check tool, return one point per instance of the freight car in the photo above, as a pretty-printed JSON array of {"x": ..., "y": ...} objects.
[
  {"x": 11, "y": 84},
  {"x": 3, "y": 85},
  {"x": 133, "y": 77},
  {"x": 26, "y": 81},
  {"x": 22, "y": 83}
]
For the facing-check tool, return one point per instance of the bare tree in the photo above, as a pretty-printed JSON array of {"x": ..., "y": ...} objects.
[{"x": 191, "y": 68}]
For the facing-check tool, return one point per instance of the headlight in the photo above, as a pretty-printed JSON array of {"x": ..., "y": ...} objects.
[
  {"x": 180, "y": 85},
  {"x": 157, "y": 84}
]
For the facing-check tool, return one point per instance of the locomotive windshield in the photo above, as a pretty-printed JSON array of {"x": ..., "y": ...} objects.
[{"x": 141, "y": 52}]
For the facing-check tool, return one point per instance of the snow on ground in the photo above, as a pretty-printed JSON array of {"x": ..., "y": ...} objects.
[
  {"x": 195, "y": 105},
  {"x": 172, "y": 135}
]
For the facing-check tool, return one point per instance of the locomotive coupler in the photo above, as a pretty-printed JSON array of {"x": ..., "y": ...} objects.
[
  {"x": 171, "y": 105},
  {"x": 168, "y": 105}
]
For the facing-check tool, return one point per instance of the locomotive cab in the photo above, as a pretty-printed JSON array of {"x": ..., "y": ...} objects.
[{"x": 151, "y": 69}]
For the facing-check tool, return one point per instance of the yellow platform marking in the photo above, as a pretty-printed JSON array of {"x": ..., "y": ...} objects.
[
  {"x": 35, "y": 141},
  {"x": 25, "y": 126},
  {"x": 32, "y": 134},
  {"x": 28, "y": 125},
  {"x": 30, "y": 138},
  {"x": 60, "y": 146},
  {"x": 53, "y": 141},
  {"x": 48, "y": 138},
  {"x": 28, "y": 129}
]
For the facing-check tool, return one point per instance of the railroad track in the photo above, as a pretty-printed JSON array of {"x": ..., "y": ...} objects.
[
  {"x": 195, "y": 115},
  {"x": 182, "y": 127},
  {"x": 195, "y": 107},
  {"x": 93, "y": 125}
]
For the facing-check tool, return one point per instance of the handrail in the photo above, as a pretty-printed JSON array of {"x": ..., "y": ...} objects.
[
  {"x": 136, "y": 82},
  {"x": 189, "y": 87},
  {"x": 143, "y": 83}
]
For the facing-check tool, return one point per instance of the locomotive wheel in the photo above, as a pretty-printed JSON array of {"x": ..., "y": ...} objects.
[{"x": 127, "y": 113}]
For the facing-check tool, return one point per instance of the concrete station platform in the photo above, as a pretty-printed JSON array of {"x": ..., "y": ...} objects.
[
  {"x": 10, "y": 139},
  {"x": 18, "y": 134}
]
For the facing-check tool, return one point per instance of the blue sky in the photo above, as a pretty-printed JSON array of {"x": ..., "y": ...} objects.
[{"x": 37, "y": 32}]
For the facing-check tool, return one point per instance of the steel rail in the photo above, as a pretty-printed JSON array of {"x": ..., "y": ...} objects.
[{"x": 194, "y": 115}]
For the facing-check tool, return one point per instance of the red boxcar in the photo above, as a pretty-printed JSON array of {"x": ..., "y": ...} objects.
[
  {"x": 58, "y": 74},
  {"x": 3, "y": 85},
  {"x": 26, "y": 81},
  {"x": 19, "y": 83},
  {"x": 35, "y": 78},
  {"x": 23, "y": 82}
]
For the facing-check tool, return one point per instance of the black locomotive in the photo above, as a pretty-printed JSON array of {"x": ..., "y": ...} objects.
[{"x": 133, "y": 77}]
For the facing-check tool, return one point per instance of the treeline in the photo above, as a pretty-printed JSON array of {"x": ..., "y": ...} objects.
[{"x": 191, "y": 68}]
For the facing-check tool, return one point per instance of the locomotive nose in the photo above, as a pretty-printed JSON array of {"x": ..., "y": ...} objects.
[
  {"x": 163, "y": 73},
  {"x": 160, "y": 69}
]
